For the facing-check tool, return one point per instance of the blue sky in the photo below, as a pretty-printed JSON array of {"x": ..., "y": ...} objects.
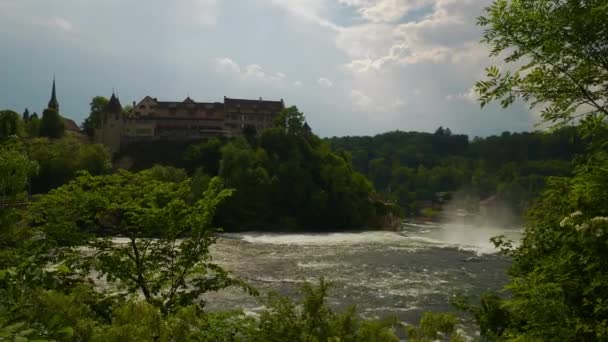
[{"x": 352, "y": 66}]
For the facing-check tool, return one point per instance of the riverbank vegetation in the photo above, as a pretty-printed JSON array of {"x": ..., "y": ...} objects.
[{"x": 555, "y": 55}]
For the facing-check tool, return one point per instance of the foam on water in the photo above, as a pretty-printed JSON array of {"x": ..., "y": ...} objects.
[
  {"x": 321, "y": 239},
  {"x": 413, "y": 237},
  {"x": 463, "y": 237},
  {"x": 317, "y": 264}
]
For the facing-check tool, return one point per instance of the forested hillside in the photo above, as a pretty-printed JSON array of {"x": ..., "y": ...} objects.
[{"x": 413, "y": 167}]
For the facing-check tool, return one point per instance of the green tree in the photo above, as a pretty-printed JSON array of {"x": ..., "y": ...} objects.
[
  {"x": 93, "y": 121},
  {"x": 169, "y": 271},
  {"x": 10, "y": 124},
  {"x": 51, "y": 124},
  {"x": 32, "y": 126},
  {"x": 15, "y": 172},
  {"x": 26, "y": 115},
  {"x": 249, "y": 133},
  {"x": 206, "y": 155},
  {"x": 310, "y": 319},
  {"x": 557, "y": 50},
  {"x": 291, "y": 119},
  {"x": 558, "y": 278},
  {"x": 61, "y": 159},
  {"x": 435, "y": 327}
]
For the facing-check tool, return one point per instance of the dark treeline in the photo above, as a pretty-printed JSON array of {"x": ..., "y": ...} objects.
[
  {"x": 58, "y": 154},
  {"x": 412, "y": 167}
]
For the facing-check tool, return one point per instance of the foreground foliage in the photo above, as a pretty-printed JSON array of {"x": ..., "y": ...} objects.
[
  {"x": 559, "y": 277},
  {"x": 83, "y": 315},
  {"x": 165, "y": 255}
]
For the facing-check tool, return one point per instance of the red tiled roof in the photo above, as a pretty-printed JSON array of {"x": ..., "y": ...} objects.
[{"x": 70, "y": 125}]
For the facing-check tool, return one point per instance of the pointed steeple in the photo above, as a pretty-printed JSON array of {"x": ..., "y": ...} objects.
[
  {"x": 307, "y": 127},
  {"x": 26, "y": 115},
  {"x": 114, "y": 105},
  {"x": 53, "y": 102}
]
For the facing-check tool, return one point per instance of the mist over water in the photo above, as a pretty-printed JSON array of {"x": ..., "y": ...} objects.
[{"x": 403, "y": 273}]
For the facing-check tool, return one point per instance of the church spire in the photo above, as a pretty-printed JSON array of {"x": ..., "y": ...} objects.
[
  {"x": 53, "y": 102},
  {"x": 114, "y": 105}
]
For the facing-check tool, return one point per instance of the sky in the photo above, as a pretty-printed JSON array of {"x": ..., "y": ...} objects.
[{"x": 354, "y": 67}]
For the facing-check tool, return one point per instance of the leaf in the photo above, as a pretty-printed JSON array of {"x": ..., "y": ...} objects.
[
  {"x": 14, "y": 327},
  {"x": 69, "y": 331},
  {"x": 63, "y": 268}
]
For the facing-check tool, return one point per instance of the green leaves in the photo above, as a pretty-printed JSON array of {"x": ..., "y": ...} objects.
[
  {"x": 556, "y": 53},
  {"x": 51, "y": 124},
  {"x": 166, "y": 238},
  {"x": 311, "y": 319}
]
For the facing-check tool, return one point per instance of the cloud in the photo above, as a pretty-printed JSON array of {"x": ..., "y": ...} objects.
[
  {"x": 469, "y": 96},
  {"x": 297, "y": 83},
  {"x": 309, "y": 10},
  {"x": 446, "y": 35},
  {"x": 387, "y": 10},
  {"x": 249, "y": 72},
  {"x": 360, "y": 101},
  {"x": 227, "y": 64},
  {"x": 58, "y": 23},
  {"x": 324, "y": 82}
]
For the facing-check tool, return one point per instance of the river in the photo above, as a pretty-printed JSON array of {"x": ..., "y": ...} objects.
[{"x": 384, "y": 273}]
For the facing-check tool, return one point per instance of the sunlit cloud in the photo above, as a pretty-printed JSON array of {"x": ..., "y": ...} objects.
[{"x": 324, "y": 82}]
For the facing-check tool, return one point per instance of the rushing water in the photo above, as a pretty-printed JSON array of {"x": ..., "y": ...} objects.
[{"x": 384, "y": 273}]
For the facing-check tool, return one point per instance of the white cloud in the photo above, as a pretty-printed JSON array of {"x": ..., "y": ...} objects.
[
  {"x": 297, "y": 83},
  {"x": 309, "y": 10},
  {"x": 59, "y": 23},
  {"x": 360, "y": 101},
  {"x": 469, "y": 96},
  {"x": 324, "y": 82},
  {"x": 227, "y": 64},
  {"x": 447, "y": 35},
  {"x": 249, "y": 72},
  {"x": 389, "y": 10},
  {"x": 254, "y": 71}
]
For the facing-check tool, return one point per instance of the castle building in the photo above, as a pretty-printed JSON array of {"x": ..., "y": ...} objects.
[{"x": 151, "y": 120}]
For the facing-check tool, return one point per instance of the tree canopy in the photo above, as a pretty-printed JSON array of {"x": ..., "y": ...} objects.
[
  {"x": 93, "y": 121},
  {"x": 556, "y": 56},
  {"x": 10, "y": 124},
  {"x": 558, "y": 51},
  {"x": 51, "y": 124}
]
